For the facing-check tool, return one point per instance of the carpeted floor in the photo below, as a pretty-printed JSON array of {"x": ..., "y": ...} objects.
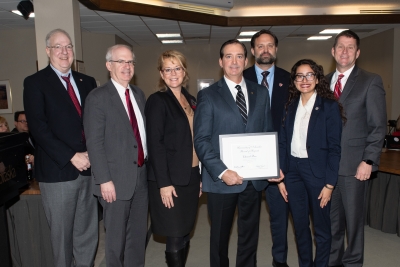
[{"x": 381, "y": 249}]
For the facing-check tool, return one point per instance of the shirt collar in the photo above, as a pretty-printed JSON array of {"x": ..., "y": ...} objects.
[
  {"x": 59, "y": 73},
  {"x": 346, "y": 73},
  {"x": 270, "y": 70},
  {"x": 233, "y": 84}
]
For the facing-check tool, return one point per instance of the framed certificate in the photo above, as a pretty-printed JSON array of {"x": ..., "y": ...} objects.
[{"x": 253, "y": 156}]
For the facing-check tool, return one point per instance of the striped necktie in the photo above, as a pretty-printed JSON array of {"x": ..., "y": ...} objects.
[{"x": 241, "y": 103}]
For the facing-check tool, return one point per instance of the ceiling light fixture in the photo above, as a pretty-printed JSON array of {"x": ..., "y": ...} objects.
[
  {"x": 244, "y": 39},
  {"x": 32, "y": 15},
  {"x": 320, "y": 38},
  {"x": 249, "y": 33},
  {"x": 332, "y": 31},
  {"x": 168, "y": 35},
  {"x": 26, "y": 8},
  {"x": 172, "y": 41}
]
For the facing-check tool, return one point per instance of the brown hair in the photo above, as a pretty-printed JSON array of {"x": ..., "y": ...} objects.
[
  {"x": 180, "y": 59},
  {"x": 3, "y": 120}
]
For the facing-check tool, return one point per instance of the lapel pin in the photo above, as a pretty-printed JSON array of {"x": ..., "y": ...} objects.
[
  {"x": 280, "y": 85},
  {"x": 80, "y": 79},
  {"x": 317, "y": 108},
  {"x": 251, "y": 92}
]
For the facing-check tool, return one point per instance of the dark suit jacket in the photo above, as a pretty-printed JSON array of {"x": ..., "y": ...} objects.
[
  {"x": 55, "y": 124},
  {"x": 323, "y": 139},
  {"x": 363, "y": 100},
  {"x": 216, "y": 114},
  {"x": 111, "y": 143},
  {"x": 280, "y": 92},
  {"x": 169, "y": 139}
]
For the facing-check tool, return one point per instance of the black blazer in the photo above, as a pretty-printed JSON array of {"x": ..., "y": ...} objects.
[
  {"x": 55, "y": 124},
  {"x": 169, "y": 139},
  {"x": 280, "y": 92}
]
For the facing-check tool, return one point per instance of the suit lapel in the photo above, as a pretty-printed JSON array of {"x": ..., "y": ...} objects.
[
  {"x": 81, "y": 88},
  {"x": 140, "y": 102},
  {"x": 226, "y": 94},
  {"x": 119, "y": 106},
  {"x": 290, "y": 117},
  {"x": 349, "y": 84},
  {"x": 315, "y": 113},
  {"x": 252, "y": 96},
  {"x": 59, "y": 88}
]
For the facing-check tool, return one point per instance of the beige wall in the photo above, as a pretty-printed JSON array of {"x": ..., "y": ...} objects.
[
  {"x": 377, "y": 56},
  {"x": 18, "y": 60}
]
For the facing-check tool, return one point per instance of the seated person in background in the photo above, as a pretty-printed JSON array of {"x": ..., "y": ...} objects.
[
  {"x": 397, "y": 132},
  {"x": 21, "y": 126},
  {"x": 3, "y": 125}
]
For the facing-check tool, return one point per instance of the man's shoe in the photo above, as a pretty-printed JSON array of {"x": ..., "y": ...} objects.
[{"x": 278, "y": 264}]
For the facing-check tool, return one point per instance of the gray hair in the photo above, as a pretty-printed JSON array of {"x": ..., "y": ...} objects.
[
  {"x": 50, "y": 34},
  {"x": 111, "y": 49}
]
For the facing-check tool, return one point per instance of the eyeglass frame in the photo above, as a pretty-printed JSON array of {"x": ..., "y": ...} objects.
[
  {"x": 168, "y": 71},
  {"x": 23, "y": 121},
  {"x": 123, "y": 62},
  {"x": 310, "y": 75},
  {"x": 68, "y": 47}
]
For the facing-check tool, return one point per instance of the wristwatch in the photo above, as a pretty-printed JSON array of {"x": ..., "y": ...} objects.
[{"x": 368, "y": 161}]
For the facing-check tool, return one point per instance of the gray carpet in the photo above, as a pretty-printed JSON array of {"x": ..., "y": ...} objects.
[{"x": 380, "y": 249}]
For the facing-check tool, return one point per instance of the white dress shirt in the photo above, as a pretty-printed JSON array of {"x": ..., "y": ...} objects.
[
  {"x": 300, "y": 129},
  {"x": 121, "y": 91},
  {"x": 343, "y": 81}
]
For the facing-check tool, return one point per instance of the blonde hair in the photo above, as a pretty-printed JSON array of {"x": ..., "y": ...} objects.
[
  {"x": 172, "y": 55},
  {"x": 3, "y": 120}
]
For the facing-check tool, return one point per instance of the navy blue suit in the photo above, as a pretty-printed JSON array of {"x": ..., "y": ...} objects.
[
  {"x": 306, "y": 177},
  {"x": 278, "y": 208},
  {"x": 216, "y": 114}
]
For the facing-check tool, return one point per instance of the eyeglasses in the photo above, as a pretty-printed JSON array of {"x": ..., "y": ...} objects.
[
  {"x": 169, "y": 70},
  {"x": 309, "y": 77},
  {"x": 23, "y": 121},
  {"x": 59, "y": 48},
  {"x": 123, "y": 62}
]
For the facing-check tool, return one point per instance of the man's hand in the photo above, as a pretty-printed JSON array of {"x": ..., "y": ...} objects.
[
  {"x": 81, "y": 161},
  {"x": 281, "y": 176},
  {"x": 232, "y": 178},
  {"x": 363, "y": 171},
  {"x": 108, "y": 192},
  {"x": 325, "y": 195}
]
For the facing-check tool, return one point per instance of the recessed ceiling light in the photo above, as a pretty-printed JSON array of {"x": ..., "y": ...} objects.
[
  {"x": 250, "y": 33},
  {"x": 244, "y": 39},
  {"x": 332, "y": 31},
  {"x": 168, "y": 35},
  {"x": 172, "y": 41},
  {"x": 32, "y": 15},
  {"x": 319, "y": 38}
]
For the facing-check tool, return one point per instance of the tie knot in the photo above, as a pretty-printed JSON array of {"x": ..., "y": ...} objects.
[
  {"x": 238, "y": 87},
  {"x": 127, "y": 91},
  {"x": 340, "y": 76},
  {"x": 65, "y": 78},
  {"x": 265, "y": 73}
]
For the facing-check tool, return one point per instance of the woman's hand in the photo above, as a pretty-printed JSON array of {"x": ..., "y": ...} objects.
[
  {"x": 325, "y": 195},
  {"x": 201, "y": 189},
  {"x": 166, "y": 196},
  {"x": 282, "y": 189}
]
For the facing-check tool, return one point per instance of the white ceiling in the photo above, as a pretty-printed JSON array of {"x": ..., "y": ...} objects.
[{"x": 140, "y": 31}]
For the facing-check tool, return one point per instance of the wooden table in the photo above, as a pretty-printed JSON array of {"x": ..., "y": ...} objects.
[
  {"x": 390, "y": 162},
  {"x": 33, "y": 189}
]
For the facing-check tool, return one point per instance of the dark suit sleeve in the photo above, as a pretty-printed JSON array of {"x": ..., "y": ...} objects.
[
  {"x": 155, "y": 128},
  {"x": 35, "y": 108},
  {"x": 95, "y": 123},
  {"x": 203, "y": 127},
  {"x": 334, "y": 133},
  {"x": 376, "y": 119},
  {"x": 283, "y": 147}
]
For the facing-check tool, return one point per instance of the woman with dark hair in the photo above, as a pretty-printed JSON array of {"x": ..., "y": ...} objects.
[
  {"x": 309, "y": 154},
  {"x": 173, "y": 172}
]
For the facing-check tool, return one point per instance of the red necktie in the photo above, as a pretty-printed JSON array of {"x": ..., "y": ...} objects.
[
  {"x": 72, "y": 94},
  {"x": 132, "y": 118},
  {"x": 74, "y": 99},
  {"x": 338, "y": 87}
]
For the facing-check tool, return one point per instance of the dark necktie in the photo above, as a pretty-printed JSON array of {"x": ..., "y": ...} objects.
[
  {"x": 338, "y": 87},
  {"x": 241, "y": 103},
  {"x": 135, "y": 127},
  {"x": 264, "y": 81},
  {"x": 72, "y": 94}
]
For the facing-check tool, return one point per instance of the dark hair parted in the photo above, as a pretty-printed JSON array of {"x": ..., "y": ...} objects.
[
  {"x": 322, "y": 87},
  {"x": 177, "y": 58},
  {"x": 258, "y": 34},
  {"x": 349, "y": 34},
  {"x": 17, "y": 113},
  {"x": 232, "y": 41}
]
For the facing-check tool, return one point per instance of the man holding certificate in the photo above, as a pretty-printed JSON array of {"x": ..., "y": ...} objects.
[{"x": 231, "y": 106}]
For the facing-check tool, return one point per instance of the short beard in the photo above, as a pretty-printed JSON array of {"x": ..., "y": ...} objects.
[{"x": 266, "y": 61}]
